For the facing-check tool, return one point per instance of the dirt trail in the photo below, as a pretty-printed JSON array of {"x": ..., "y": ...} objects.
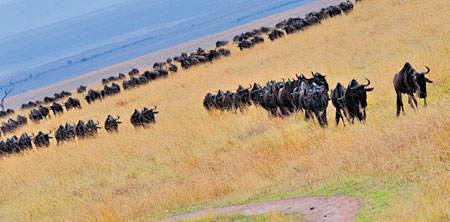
[{"x": 335, "y": 208}]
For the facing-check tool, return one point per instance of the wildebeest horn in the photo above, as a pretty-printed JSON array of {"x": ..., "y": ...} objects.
[
  {"x": 32, "y": 136},
  {"x": 50, "y": 132},
  {"x": 341, "y": 98},
  {"x": 368, "y": 82},
  {"x": 155, "y": 108},
  {"x": 428, "y": 70},
  {"x": 97, "y": 123},
  {"x": 118, "y": 117}
]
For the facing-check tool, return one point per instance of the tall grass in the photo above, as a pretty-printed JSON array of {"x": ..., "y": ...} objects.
[{"x": 195, "y": 158}]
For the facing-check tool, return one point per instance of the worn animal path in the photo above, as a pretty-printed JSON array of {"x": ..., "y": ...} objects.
[{"x": 335, "y": 208}]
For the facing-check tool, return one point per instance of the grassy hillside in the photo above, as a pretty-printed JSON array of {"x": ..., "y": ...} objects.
[{"x": 193, "y": 159}]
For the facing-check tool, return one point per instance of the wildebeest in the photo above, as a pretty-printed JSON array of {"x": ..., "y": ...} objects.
[
  {"x": 42, "y": 139},
  {"x": 28, "y": 105},
  {"x": 6, "y": 113},
  {"x": 92, "y": 127},
  {"x": 276, "y": 34},
  {"x": 209, "y": 101},
  {"x": 25, "y": 141},
  {"x": 11, "y": 125},
  {"x": 92, "y": 96},
  {"x": 40, "y": 113},
  {"x": 316, "y": 102},
  {"x": 221, "y": 43},
  {"x": 143, "y": 118},
  {"x": 408, "y": 81},
  {"x": 110, "y": 90},
  {"x": 21, "y": 120},
  {"x": 81, "y": 89},
  {"x": 133, "y": 72},
  {"x": 65, "y": 133},
  {"x": 80, "y": 129},
  {"x": 356, "y": 100},
  {"x": 338, "y": 100},
  {"x": 56, "y": 108},
  {"x": 72, "y": 103},
  {"x": 112, "y": 124}
]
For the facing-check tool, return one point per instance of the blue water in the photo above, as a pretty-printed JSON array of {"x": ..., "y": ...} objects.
[{"x": 46, "y": 41}]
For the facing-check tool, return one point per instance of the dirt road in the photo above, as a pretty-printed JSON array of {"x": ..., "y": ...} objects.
[{"x": 335, "y": 208}]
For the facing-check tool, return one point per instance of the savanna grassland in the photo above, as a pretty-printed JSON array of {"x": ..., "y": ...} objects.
[{"x": 191, "y": 159}]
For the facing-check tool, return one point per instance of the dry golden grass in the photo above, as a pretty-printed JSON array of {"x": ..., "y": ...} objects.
[{"x": 193, "y": 158}]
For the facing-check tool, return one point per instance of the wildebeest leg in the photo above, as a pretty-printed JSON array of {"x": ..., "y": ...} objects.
[
  {"x": 338, "y": 117},
  {"x": 399, "y": 103},
  {"x": 410, "y": 101},
  {"x": 415, "y": 101},
  {"x": 324, "y": 117},
  {"x": 307, "y": 115},
  {"x": 424, "y": 101},
  {"x": 319, "y": 117}
]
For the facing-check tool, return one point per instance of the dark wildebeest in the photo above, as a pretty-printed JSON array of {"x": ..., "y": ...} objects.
[
  {"x": 92, "y": 96},
  {"x": 338, "y": 100},
  {"x": 56, "y": 108},
  {"x": 21, "y": 120},
  {"x": 44, "y": 111},
  {"x": 242, "y": 98},
  {"x": 208, "y": 101},
  {"x": 35, "y": 115},
  {"x": 143, "y": 118},
  {"x": 136, "y": 118},
  {"x": 111, "y": 124},
  {"x": 316, "y": 102},
  {"x": 60, "y": 135},
  {"x": 81, "y": 89},
  {"x": 275, "y": 34},
  {"x": 356, "y": 100},
  {"x": 80, "y": 129},
  {"x": 221, "y": 43},
  {"x": 72, "y": 103},
  {"x": 92, "y": 127},
  {"x": 25, "y": 141},
  {"x": 48, "y": 99},
  {"x": 149, "y": 115},
  {"x": 409, "y": 81},
  {"x": 133, "y": 72},
  {"x": 65, "y": 133},
  {"x": 42, "y": 139}
]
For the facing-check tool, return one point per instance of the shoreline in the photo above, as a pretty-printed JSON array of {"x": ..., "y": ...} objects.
[{"x": 92, "y": 79}]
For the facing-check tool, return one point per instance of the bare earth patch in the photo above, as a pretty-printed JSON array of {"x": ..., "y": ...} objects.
[{"x": 335, "y": 208}]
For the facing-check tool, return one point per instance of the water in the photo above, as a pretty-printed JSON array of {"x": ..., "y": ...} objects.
[{"x": 46, "y": 41}]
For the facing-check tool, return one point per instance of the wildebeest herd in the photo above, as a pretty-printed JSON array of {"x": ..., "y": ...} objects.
[
  {"x": 280, "y": 98},
  {"x": 310, "y": 95},
  {"x": 290, "y": 26},
  {"x": 69, "y": 132},
  {"x": 200, "y": 56}
]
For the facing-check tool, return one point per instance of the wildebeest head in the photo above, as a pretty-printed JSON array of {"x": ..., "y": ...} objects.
[
  {"x": 362, "y": 89},
  {"x": 421, "y": 80},
  {"x": 415, "y": 81},
  {"x": 112, "y": 124},
  {"x": 356, "y": 99}
]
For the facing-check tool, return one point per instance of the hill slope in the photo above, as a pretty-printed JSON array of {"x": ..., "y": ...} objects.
[{"x": 398, "y": 166}]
